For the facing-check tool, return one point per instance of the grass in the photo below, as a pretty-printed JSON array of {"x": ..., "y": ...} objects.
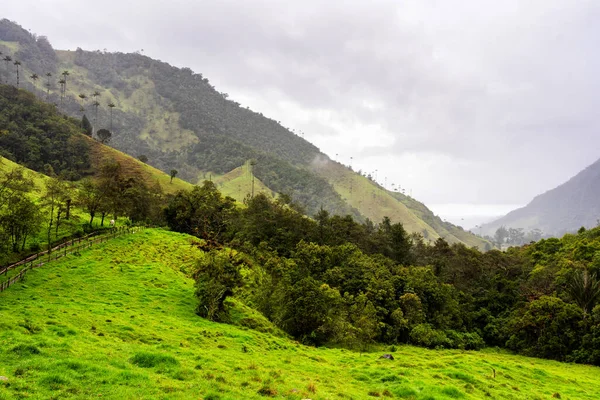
[
  {"x": 118, "y": 322},
  {"x": 238, "y": 184}
]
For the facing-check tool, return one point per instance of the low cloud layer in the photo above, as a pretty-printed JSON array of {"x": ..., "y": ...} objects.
[{"x": 485, "y": 102}]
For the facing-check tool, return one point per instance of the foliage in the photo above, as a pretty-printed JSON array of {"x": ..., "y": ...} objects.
[
  {"x": 134, "y": 315},
  {"x": 35, "y": 135},
  {"x": 217, "y": 276}
]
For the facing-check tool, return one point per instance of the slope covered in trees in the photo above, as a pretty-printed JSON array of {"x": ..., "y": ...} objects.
[
  {"x": 176, "y": 119},
  {"x": 565, "y": 208}
]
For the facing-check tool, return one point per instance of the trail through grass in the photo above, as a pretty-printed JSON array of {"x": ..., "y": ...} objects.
[{"x": 118, "y": 322}]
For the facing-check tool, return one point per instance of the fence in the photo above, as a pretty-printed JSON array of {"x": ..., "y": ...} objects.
[{"x": 69, "y": 247}]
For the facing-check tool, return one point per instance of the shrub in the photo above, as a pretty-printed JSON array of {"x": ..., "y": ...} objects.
[{"x": 149, "y": 360}]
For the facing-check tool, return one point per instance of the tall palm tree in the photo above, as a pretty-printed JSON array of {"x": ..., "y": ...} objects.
[
  {"x": 96, "y": 104},
  {"x": 48, "y": 75},
  {"x": 34, "y": 78},
  {"x": 7, "y": 59},
  {"x": 62, "y": 83},
  {"x": 17, "y": 64},
  {"x": 82, "y": 96},
  {"x": 111, "y": 105},
  {"x": 65, "y": 73}
]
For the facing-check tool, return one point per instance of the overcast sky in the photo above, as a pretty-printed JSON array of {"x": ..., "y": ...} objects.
[{"x": 473, "y": 105}]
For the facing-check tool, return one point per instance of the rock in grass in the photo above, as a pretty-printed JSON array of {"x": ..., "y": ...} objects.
[
  {"x": 387, "y": 356},
  {"x": 3, "y": 379}
]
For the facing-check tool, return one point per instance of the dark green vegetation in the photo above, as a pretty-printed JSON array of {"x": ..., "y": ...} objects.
[
  {"x": 65, "y": 179},
  {"x": 118, "y": 322},
  {"x": 178, "y": 121},
  {"x": 33, "y": 134},
  {"x": 563, "y": 209},
  {"x": 332, "y": 280}
]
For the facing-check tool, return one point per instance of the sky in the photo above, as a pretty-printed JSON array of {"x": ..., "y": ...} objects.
[{"x": 473, "y": 106}]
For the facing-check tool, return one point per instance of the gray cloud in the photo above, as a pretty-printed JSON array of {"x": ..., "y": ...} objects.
[{"x": 470, "y": 102}]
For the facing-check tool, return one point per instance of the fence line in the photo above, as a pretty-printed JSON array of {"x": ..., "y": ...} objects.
[{"x": 69, "y": 247}]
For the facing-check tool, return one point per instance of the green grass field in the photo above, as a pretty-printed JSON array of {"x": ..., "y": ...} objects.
[{"x": 118, "y": 322}]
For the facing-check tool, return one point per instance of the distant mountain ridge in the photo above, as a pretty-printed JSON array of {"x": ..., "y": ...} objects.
[
  {"x": 566, "y": 208},
  {"x": 178, "y": 120}
]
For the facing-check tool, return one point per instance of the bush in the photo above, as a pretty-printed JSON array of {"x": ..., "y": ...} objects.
[
  {"x": 425, "y": 335},
  {"x": 149, "y": 360}
]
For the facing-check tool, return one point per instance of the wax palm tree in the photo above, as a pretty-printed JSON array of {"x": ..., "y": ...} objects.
[
  {"x": 17, "y": 64},
  {"x": 48, "y": 75},
  {"x": 82, "y": 96},
  {"x": 34, "y": 78},
  {"x": 111, "y": 105},
  {"x": 65, "y": 73},
  {"x": 7, "y": 59},
  {"x": 62, "y": 83},
  {"x": 96, "y": 104}
]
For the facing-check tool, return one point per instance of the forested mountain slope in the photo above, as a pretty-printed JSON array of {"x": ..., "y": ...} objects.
[
  {"x": 178, "y": 120},
  {"x": 565, "y": 208}
]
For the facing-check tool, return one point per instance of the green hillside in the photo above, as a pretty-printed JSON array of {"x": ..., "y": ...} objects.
[
  {"x": 238, "y": 184},
  {"x": 118, "y": 322},
  {"x": 375, "y": 202}
]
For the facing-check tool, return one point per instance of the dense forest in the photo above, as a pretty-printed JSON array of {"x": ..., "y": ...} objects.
[{"x": 333, "y": 280}]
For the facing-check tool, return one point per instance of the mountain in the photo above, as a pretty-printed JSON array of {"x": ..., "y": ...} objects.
[
  {"x": 178, "y": 120},
  {"x": 563, "y": 209}
]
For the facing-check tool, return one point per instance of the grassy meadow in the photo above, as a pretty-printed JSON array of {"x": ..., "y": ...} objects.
[{"x": 117, "y": 321}]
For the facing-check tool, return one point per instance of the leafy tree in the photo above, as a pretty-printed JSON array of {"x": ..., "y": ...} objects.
[
  {"x": 143, "y": 158},
  {"x": 55, "y": 203},
  {"x": 202, "y": 212},
  {"x": 500, "y": 236},
  {"x": 86, "y": 126},
  {"x": 90, "y": 197},
  {"x": 547, "y": 327},
  {"x": 104, "y": 135},
  {"x": 19, "y": 220},
  {"x": 173, "y": 174},
  {"x": 217, "y": 276}
]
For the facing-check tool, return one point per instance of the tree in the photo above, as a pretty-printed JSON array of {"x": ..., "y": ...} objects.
[
  {"x": 21, "y": 220},
  {"x": 86, "y": 126},
  {"x": 55, "y": 202},
  {"x": 83, "y": 98},
  {"x": 7, "y": 59},
  {"x": 584, "y": 289},
  {"x": 173, "y": 174},
  {"x": 48, "y": 75},
  {"x": 34, "y": 78},
  {"x": 90, "y": 197},
  {"x": 111, "y": 105},
  {"x": 201, "y": 212},
  {"x": 143, "y": 158},
  {"x": 500, "y": 236},
  {"x": 17, "y": 65},
  {"x": 104, "y": 135},
  {"x": 63, "y": 83},
  {"x": 217, "y": 276},
  {"x": 96, "y": 104}
]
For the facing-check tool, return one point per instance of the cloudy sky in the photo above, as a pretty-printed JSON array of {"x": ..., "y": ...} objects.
[{"x": 475, "y": 106}]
